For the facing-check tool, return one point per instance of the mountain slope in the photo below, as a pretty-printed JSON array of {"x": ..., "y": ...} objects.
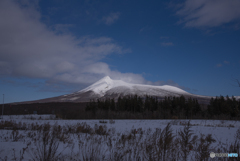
[{"x": 108, "y": 88}]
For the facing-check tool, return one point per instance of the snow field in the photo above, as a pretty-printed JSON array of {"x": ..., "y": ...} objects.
[{"x": 126, "y": 139}]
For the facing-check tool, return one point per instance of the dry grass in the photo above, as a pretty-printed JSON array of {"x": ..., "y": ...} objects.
[{"x": 84, "y": 143}]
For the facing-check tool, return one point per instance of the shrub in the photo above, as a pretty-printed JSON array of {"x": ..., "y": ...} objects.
[
  {"x": 203, "y": 147},
  {"x": 46, "y": 147},
  {"x": 101, "y": 130},
  {"x": 111, "y": 121},
  {"x": 83, "y": 128},
  {"x": 186, "y": 141},
  {"x": 8, "y": 124},
  {"x": 102, "y": 121},
  {"x": 15, "y": 135}
]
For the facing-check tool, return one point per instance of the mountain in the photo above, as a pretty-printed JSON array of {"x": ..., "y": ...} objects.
[{"x": 108, "y": 88}]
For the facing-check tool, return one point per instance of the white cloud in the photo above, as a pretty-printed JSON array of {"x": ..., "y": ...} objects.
[
  {"x": 30, "y": 49},
  {"x": 168, "y": 82},
  {"x": 111, "y": 18},
  {"x": 167, "y": 44},
  {"x": 209, "y": 13}
]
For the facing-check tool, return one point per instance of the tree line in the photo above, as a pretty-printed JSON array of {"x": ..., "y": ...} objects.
[
  {"x": 167, "y": 108},
  {"x": 220, "y": 106},
  {"x": 135, "y": 107}
]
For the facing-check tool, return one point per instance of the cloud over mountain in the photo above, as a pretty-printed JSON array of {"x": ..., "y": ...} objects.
[{"x": 30, "y": 49}]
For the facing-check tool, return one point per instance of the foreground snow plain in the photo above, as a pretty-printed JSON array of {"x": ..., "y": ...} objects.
[{"x": 222, "y": 131}]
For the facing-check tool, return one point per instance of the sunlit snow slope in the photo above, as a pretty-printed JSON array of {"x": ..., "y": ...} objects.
[{"x": 108, "y": 88}]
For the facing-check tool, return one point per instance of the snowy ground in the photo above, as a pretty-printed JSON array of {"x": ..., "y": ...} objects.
[{"x": 222, "y": 131}]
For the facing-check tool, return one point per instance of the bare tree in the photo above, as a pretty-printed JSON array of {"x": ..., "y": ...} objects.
[{"x": 236, "y": 81}]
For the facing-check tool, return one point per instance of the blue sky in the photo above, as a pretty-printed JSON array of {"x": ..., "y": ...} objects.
[{"x": 50, "y": 48}]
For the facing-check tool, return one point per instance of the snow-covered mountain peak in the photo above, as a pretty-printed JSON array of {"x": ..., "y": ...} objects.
[
  {"x": 105, "y": 79},
  {"x": 107, "y": 85},
  {"x": 109, "y": 88},
  {"x": 103, "y": 85}
]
